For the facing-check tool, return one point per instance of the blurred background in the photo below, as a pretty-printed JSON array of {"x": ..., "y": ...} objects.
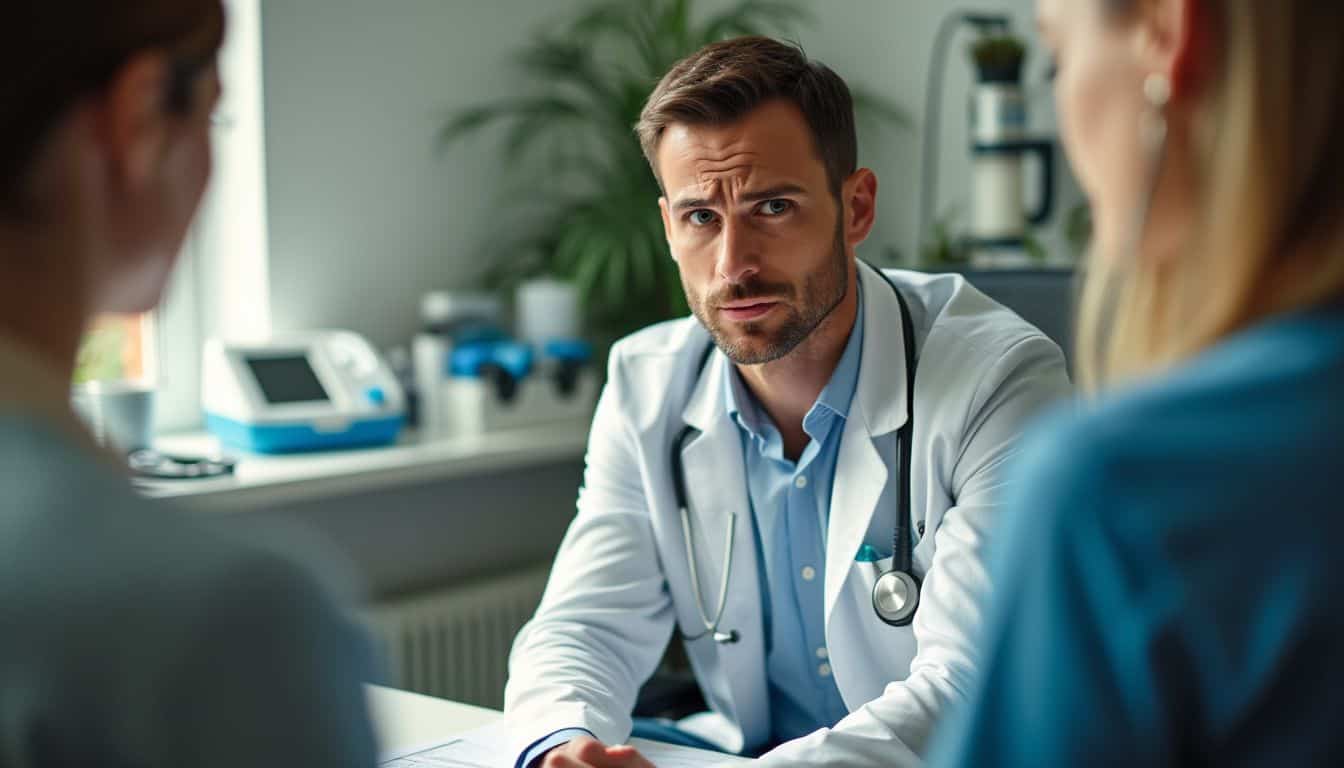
[{"x": 440, "y": 207}]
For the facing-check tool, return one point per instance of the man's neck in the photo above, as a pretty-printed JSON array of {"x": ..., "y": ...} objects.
[{"x": 788, "y": 387}]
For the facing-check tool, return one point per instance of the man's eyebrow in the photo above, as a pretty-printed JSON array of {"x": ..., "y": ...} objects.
[
  {"x": 770, "y": 193},
  {"x": 758, "y": 196},
  {"x": 687, "y": 203}
]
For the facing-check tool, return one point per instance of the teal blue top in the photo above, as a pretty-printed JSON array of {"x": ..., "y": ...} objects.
[
  {"x": 134, "y": 634},
  {"x": 1170, "y": 587}
]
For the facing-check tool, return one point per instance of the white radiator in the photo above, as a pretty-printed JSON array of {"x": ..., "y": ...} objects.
[{"x": 454, "y": 643}]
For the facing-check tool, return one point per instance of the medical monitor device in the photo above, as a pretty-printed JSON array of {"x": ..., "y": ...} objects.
[{"x": 300, "y": 392}]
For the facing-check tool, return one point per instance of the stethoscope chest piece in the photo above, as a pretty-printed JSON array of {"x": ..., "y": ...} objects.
[{"x": 895, "y": 597}]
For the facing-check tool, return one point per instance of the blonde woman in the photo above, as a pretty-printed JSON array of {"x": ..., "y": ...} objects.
[
  {"x": 130, "y": 634},
  {"x": 1169, "y": 591}
]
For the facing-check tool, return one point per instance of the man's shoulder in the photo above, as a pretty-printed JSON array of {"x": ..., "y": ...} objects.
[
  {"x": 651, "y": 372},
  {"x": 658, "y": 353},
  {"x": 962, "y": 319},
  {"x": 661, "y": 341},
  {"x": 967, "y": 335}
]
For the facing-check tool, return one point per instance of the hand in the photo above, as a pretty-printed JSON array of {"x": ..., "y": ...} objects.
[{"x": 585, "y": 752}]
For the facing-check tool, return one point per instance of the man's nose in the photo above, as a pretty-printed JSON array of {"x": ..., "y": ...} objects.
[{"x": 738, "y": 257}]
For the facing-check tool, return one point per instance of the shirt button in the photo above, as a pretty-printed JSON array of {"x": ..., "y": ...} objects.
[
  {"x": 823, "y": 653},
  {"x": 824, "y": 670},
  {"x": 800, "y": 481},
  {"x": 809, "y": 573}
]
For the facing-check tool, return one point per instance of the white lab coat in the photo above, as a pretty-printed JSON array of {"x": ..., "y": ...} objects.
[{"x": 621, "y": 576}]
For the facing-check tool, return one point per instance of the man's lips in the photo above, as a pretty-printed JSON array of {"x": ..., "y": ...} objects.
[{"x": 749, "y": 309}]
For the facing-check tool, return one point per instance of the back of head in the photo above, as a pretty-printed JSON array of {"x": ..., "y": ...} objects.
[
  {"x": 56, "y": 52},
  {"x": 1269, "y": 237}
]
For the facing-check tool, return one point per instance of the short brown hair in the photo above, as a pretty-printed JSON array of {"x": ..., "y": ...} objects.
[
  {"x": 723, "y": 82},
  {"x": 55, "y": 52}
]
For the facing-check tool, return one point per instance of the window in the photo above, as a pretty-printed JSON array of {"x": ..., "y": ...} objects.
[{"x": 116, "y": 347}]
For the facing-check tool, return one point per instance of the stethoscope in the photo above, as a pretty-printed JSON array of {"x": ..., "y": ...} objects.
[{"x": 896, "y": 591}]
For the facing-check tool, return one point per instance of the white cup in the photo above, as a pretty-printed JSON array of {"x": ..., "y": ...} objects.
[{"x": 120, "y": 414}]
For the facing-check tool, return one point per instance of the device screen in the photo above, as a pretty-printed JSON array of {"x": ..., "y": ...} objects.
[{"x": 287, "y": 379}]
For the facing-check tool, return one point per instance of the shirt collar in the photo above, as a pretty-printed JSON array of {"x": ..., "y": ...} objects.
[
  {"x": 835, "y": 397},
  {"x": 839, "y": 391}
]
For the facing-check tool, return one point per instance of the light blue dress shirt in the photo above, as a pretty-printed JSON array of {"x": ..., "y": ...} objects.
[{"x": 790, "y": 504}]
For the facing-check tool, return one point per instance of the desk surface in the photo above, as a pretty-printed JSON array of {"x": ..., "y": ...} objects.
[
  {"x": 267, "y": 481},
  {"x": 406, "y": 720}
]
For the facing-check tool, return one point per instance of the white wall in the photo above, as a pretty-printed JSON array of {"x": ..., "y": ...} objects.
[{"x": 365, "y": 215}]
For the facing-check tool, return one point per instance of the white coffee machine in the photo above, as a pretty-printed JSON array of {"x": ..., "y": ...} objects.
[
  {"x": 999, "y": 151},
  {"x": 999, "y": 144}
]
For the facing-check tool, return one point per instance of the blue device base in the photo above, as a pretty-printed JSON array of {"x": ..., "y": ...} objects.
[{"x": 301, "y": 438}]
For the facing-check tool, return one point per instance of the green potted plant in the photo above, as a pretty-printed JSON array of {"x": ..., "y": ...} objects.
[
  {"x": 591, "y": 218},
  {"x": 998, "y": 57}
]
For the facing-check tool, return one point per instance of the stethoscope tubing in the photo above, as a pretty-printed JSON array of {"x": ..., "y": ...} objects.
[{"x": 902, "y": 546}]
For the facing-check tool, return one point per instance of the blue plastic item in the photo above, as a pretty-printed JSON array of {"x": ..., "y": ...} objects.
[
  {"x": 568, "y": 350},
  {"x": 469, "y": 360},
  {"x": 515, "y": 358},
  {"x": 375, "y": 395},
  {"x": 302, "y": 438}
]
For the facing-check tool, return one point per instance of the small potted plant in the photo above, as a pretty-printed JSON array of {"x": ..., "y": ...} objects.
[{"x": 998, "y": 57}]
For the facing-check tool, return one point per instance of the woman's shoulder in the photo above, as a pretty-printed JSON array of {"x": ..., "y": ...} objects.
[
  {"x": 1207, "y": 445},
  {"x": 1248, "y": 388}
]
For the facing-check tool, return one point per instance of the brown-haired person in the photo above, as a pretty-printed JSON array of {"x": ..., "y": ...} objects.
[
  {"x": 1170, "y": 581},
  {"x": 130, "y": 634},
  {"x": 757, "y": 474}
]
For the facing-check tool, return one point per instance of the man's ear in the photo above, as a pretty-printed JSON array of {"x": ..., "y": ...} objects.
[
  {"x": 859, "y": 197},
  {"x": 1175, "y": 40},
  {"x": 131, "y": 120}
]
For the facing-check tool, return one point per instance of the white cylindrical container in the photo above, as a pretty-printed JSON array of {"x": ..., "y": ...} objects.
[
  {"x": 429, "y": 363},
  {"x": 120, "y": 414},
  {"x": 998, "y": 113},
  {"x": 996, "y": 197},
  {"x": 548, "y": 309},
  {"x": 998, "y": 124}
]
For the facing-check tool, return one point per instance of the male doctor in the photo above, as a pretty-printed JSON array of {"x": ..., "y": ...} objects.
[{"x": 746, "y": 467}]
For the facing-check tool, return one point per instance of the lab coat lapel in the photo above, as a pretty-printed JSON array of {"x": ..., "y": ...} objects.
[
  {"x": 878, "y": 408},
  {"x": 717, "y": 488}
]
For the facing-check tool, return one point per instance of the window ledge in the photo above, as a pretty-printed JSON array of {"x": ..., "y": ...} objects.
[{"x": 265, "y": 481}]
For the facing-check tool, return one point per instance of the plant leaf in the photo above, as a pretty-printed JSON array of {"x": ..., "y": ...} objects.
[
  {"x": 754, "y": 17},
  {"x": 870, "y": 106},
  {"x": 474, "y": 119}
]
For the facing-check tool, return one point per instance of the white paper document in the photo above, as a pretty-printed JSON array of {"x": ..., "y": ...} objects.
[{"x": 483, "y": 748}]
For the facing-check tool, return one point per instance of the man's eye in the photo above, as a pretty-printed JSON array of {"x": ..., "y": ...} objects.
[
  {"x": 701, "y": 217},
  {"x": 776, "y": 207}
]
